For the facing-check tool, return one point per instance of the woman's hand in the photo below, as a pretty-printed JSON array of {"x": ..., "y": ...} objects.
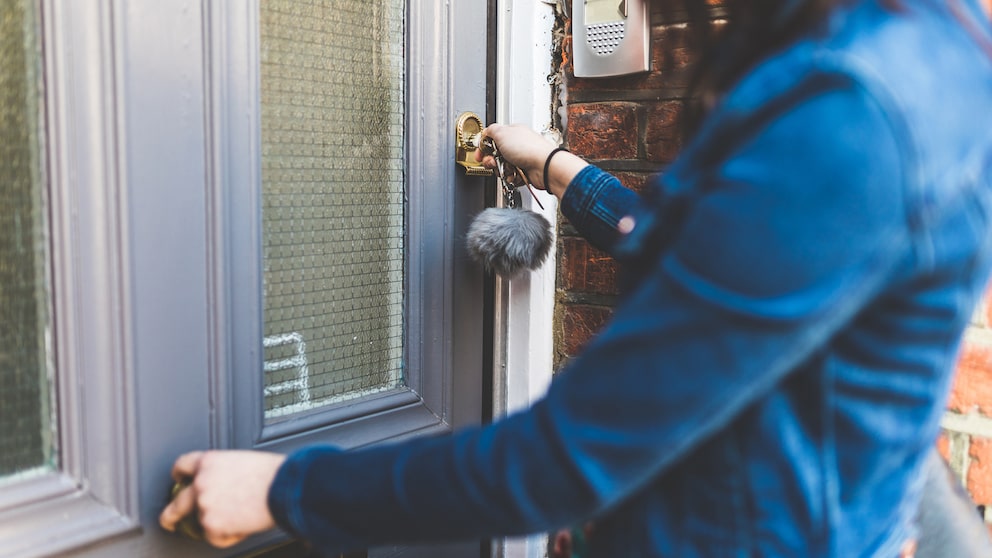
[
  {"x": 229, "y": 491},
  {"x": 521, "y": 147},
  {"x": 528, "y": 151}
]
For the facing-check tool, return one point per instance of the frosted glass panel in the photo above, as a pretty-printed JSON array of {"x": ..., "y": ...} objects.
[
  {"x": 332, "y": 75},
  {"x": 25, "y": 416}
]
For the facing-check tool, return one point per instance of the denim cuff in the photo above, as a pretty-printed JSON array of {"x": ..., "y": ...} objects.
[
  {"x": 594, "y": 203},
  {"x": 286, "y": 493}
]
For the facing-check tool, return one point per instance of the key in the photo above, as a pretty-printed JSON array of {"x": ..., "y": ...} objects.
[{"x": 508, "y": 175}]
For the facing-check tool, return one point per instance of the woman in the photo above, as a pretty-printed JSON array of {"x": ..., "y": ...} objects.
[{"x": 772, "y": 381}]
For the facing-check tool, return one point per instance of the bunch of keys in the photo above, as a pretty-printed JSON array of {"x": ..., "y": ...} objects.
[
  {"x": 509, "y": 175},
  {"x": 511, "y": 239}
]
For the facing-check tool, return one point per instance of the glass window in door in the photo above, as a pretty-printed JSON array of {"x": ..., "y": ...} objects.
[
  {"x": 332, "y": 123},
  {"x": 26, "y": 427}
]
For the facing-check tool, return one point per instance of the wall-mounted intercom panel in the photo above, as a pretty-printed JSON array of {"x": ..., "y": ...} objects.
[{"x": 610, "y": 37}]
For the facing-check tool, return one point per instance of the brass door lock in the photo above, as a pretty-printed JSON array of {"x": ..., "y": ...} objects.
[{"x": 468, "y": 138}]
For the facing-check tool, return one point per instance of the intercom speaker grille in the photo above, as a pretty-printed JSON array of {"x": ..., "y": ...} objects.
[
  {"x": 604, "y": 38},
  {"x": 332, "y": 86}
]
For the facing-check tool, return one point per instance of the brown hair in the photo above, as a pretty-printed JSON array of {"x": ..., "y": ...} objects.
[
  {"x": 754, "y": 29},
  {"x": 757, "y": 28}
]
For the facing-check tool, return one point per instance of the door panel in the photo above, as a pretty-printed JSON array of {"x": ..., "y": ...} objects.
[
  {"x": 295, "y": 275},
  {"x": 342, "y": 218},
  {"x": 390, "y": 296}
]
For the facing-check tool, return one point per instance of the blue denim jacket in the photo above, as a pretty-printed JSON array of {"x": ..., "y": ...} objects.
[{"x": 774, "y": 378}]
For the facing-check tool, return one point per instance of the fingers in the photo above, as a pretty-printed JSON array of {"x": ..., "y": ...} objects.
[
  {"x": 182, "y": 505},
  {"x": 217, "y": 534},
  {"x": 189, "y": 501},
  {"x": 494, "y": 132},
  {"x": 487, "y": 161},
  {"x": 228, "y": 490},
  {"x": 490, "y": 130},
  {"x": 520, "y": 146},
  {"x": 186, "y": 466}
]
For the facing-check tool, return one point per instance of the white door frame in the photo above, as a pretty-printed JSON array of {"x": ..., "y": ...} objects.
[{"x": 525, "y": 306}]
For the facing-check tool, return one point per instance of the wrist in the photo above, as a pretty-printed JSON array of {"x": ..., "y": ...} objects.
[
  {"x": 562, "y": 167},
  {"x": 545, "y": 173}
]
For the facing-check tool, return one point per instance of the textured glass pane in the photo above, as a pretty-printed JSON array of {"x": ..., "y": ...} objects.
[
  {"x": 25, "y": 425},
  {"x": 332, "y": 200}
]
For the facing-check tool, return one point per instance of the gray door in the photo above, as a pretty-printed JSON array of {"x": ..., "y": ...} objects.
[{"x": 288, "y": 216}]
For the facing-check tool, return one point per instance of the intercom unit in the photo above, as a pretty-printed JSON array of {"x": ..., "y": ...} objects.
[{"x": 610, "y": 37}]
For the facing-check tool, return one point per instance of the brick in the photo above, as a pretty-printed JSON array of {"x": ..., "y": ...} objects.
[
  {"x": 670, "y": 49},
  {"x": 944, "y": 446},
  {"x": 565, "y": 66},
  {"x": 603, "y": 130},
  {"x": 566, "y": 55},
  {"x": 663, "y": 133},
  {"x": 635, "y": 181},
  {"x": 585, "y": 269},
  {"x": 973, "y": 381},
  {"x": 577, "y": 324},
  {"x": 659, "y": 9},
  {"x": 980, "y": 470}
]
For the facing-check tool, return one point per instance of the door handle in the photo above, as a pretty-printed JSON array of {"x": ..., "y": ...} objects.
[{"x": 468, "y": 138}]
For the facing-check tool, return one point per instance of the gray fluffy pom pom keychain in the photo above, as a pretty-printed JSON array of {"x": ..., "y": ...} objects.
[{"x": 511, "y": 239}]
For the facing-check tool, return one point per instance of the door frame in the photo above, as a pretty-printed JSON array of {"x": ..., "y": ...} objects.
[
  {"x": 524, "y": 314},
  {"x": 92, "y": 493}
]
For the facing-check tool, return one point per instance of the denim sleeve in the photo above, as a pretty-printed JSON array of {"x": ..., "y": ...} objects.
[
  {"x": 594, "y": 203},
  {"x": 792, "y": 241}
]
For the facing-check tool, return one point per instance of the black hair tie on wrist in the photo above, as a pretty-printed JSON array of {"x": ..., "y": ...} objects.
[{"x": 547, "y": 166}]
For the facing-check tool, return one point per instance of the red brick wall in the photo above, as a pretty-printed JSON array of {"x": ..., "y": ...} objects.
[
  {"x": 629, "y": 126},
  {"x": 967, "y": 438}
]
